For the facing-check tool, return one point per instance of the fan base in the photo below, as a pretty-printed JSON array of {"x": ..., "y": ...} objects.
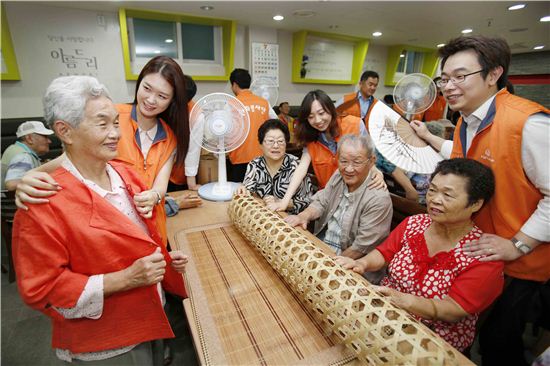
[{"x": 218, "y": 191}]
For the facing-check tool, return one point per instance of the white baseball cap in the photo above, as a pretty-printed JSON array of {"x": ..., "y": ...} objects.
[{"x": 29, "y": 127}]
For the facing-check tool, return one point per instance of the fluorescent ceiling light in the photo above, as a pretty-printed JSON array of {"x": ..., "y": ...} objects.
[
  {"x": 168, "y": 40},
  {"x": 156, "y": 51},
  {"x": 207, "y": 7},
  {"x": 278, "y": 18},
  {"x": 538, "y": 47},
  {"x": 467, "y": 30},
  {"x": 545, "y": 19},
  {"x": 377, "y": 34},
  {"x": 440, "y": 45},
  {"x": 516, "y": 7}
]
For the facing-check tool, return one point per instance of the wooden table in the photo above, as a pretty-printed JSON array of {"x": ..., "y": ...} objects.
[
  {"x": 276, "y": 329},
  {"x": 255, "y": 318}
]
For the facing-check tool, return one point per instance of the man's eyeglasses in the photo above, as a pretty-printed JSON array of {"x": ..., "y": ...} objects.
[
  {"x": 270, "y": 142},
  {"x": 455, "y": 79}
]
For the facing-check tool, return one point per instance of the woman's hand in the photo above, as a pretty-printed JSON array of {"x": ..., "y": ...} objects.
[
  {"x": 148, "y": 270},
  {"x": 397, "y": 298},
  {"x": 377, "y": 180},
  {"x": 242, "y": 191},
  {"x": 145, "y": 202},
  {"x": 277, "y": 206},
  {"x": 349, "y": 263},
  {"x": 34, "y": 187},
  {"x": 179, "y": 260},
  {"x": 188, "y": 200},
  {"x": 269, "y": 199}
]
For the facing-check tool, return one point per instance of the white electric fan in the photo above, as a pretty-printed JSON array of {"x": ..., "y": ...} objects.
[
  {"x": 265, "y": 88},
  {"x": 394, "y": 137},
  {"x": 219, "y": 124},
  {"x": 414, "y": 93}
]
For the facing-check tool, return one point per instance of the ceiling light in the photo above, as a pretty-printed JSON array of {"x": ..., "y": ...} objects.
[
  {"x": 377, "y": 34},
  {"x": 156, "y": 51},
  {"x": 401, "y": 55},
  {"x": 278, "y": 18},
  {"x": 467, "y": 30},
  {"x": 545, "y": 19},
  {"x": 516, "y": 7},
  {"x": 207, "y": 7},
  {"x": 440, "y": 45},
  {"x": 538, "y": 47},
  {"x": 168, "y": 40}
]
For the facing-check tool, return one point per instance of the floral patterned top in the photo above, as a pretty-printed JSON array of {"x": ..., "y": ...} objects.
[{"x": 472, "y": 284}]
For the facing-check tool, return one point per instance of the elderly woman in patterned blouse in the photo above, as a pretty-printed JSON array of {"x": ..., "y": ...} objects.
[
  {"x": 268, "y": 175},
  {"x": 428, "y": 273}
]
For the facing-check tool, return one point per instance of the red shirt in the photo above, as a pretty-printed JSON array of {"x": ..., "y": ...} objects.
[{"x": 472, "y": 284}]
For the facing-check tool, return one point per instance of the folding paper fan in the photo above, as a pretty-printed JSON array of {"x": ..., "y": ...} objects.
[{"x": 398, "y": 142}]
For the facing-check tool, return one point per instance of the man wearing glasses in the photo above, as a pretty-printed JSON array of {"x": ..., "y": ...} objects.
[
  {"x": 510, "y": 135},
  {"x": 351, "y": 218}
]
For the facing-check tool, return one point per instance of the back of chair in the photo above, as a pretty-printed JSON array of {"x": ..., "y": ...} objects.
[
  {"x": 403, "y": 208},
  {"x": 8, "y": 210}
]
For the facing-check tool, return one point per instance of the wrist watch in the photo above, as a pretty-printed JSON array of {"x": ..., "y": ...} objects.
[{"x": 521, "y": 246}]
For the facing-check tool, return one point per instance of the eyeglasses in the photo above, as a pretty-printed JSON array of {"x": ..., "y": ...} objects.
[
  {"x": 456, "y": 79},
  {"x": 270, "y": 142},
  {"x": 354, "y": 164}
]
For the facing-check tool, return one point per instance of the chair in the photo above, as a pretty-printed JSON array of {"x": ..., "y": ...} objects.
[
  {"x": 8, "y": 212},
  {"x": 403, "y": 208}
]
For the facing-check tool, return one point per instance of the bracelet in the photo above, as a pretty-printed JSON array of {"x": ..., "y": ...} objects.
[
  {"x": 434, "y": 317},
  {"x": 158, "y": 195}
]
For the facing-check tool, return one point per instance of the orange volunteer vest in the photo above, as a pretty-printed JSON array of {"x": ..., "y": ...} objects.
[
  {"x": 436, "y": 110},
  {"x": 351, "y": 106},
  {"x": 498, "y": 146},
  {"x": 323, "y": 160},
  {"x": 258, "y": 110},
  {"x": 148, "y": 169}
]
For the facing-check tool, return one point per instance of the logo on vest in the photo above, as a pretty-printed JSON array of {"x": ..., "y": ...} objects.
[
  {"x": 255, "y": 108},
  {"x": 487, "y": 156}
]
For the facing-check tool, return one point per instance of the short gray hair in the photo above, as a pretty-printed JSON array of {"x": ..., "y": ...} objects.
[
  {"x": 365, "y": 142},
  {"x": 66, "y": 98}
]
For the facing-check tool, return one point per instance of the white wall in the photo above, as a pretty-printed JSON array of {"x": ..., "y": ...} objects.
[{"x": 37, "y": 30}]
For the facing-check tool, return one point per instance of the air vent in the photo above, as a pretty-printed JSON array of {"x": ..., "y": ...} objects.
[
  {"x": 516, "y": 30},
  {"x": 304, "y": 13}
]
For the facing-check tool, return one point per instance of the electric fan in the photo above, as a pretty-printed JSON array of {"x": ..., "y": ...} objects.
[
  {"x": 414, "y": 93},
  {"x": 394, "y": 137},
  {"x": 265, "y": 88},
  {"x": 219, "y": 124}
]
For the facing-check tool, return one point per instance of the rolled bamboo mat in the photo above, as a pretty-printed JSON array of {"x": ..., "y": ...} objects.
[{"x": 361, "y": 319}]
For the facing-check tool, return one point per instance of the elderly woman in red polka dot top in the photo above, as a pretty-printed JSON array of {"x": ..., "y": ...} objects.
[{"x": 428, "y": 273}]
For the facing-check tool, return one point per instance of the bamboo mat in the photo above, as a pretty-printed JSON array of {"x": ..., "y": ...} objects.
[{"x": 245, "y": 314}]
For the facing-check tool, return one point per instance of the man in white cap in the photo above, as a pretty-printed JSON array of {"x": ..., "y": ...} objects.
[{"x": 23, "y": 155}]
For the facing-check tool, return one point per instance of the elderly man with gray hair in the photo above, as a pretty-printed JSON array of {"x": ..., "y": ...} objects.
[
  {"x": 88, "y": 258},
  {"x": 351, "y": 218}
]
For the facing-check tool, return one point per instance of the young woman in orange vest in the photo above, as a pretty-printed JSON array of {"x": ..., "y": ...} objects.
[
  {"x": 154, "y": 136},
  {"x": 319, "y": 129}
]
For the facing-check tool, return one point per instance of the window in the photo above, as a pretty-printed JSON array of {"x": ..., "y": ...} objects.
[
  {"x": 202, "y": 46},
  {"x": 152, "y": 38},
  {"x": 409, "y": 63}
]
